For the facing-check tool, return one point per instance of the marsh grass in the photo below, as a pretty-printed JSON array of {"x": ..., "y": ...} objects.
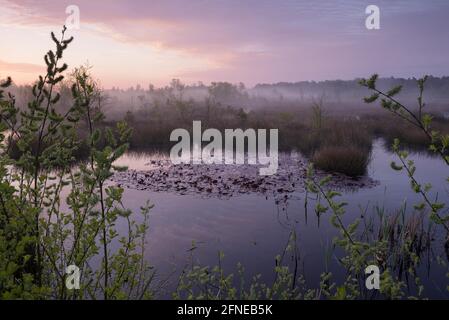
[
  {"x": 396, "y": 242},
  {"x": 349, "y": 160},
  {"x": 408, "y": 238},
  {"x": 411, "y": 137},
  {"x": 310, "y": 129}
]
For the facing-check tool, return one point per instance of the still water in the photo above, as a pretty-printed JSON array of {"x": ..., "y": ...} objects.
[{"x": 252, "y": 229}]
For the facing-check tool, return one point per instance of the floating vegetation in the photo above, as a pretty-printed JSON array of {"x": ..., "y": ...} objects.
[{"x": 226, "y": 181}]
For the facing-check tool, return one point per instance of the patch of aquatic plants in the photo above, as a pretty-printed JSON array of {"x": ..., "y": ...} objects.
[{"x": 226, "y": 181}]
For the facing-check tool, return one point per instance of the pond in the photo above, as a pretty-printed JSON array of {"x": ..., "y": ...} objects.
[{"x": 252, "y": 228}]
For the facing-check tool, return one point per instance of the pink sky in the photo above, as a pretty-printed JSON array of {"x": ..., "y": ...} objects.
[{"x": 131, "y": 42}]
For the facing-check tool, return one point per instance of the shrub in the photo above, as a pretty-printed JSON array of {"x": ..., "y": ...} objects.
[{"x": 38, "y": 237}]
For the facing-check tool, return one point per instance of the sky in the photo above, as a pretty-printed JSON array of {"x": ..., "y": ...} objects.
[{"x": 251, "y": 41}]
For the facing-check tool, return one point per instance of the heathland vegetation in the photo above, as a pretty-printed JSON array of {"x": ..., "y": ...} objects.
[
  {"x": 64, "y": 117},
  {"x": 337, "y": 136},
  {"x": 325, "y": 121}
]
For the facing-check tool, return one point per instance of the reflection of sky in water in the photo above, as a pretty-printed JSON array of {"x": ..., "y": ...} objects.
[
  {"x": 142, "y": 161},
  {"x": 252, "y": 230}
]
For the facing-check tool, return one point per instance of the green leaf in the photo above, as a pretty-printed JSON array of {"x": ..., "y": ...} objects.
[
  {"x": 437, "y": 206},
  {"x": 426, "y": 120},
  {"x": 340, "y": 294},
  {"x": 325, "y": 180},
  {"x": 420, "y": 206},
  {"x": 319, "y": 209},
  {"x": 394, "y": 91},
  {"x": 371, "y": 83},
  {"x": 353, "y": 226},
  {"x": 371, "y": 98},
  {"x": 332, "y": 194}
]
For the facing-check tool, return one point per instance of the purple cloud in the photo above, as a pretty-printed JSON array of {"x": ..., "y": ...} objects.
[{"x": 266, "y": 41}]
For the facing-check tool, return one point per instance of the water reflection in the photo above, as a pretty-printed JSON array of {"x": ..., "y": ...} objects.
[{"x": 253, "y": 228}]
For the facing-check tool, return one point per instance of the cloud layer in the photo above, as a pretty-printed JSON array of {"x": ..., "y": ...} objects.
[{"x": 264, "y": 41}]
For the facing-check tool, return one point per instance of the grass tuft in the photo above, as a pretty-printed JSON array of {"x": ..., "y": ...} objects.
[{"x": 349, "y": 160}]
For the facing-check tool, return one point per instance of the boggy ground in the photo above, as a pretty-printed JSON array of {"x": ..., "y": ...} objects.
[{"x": 226, "y": 181}]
